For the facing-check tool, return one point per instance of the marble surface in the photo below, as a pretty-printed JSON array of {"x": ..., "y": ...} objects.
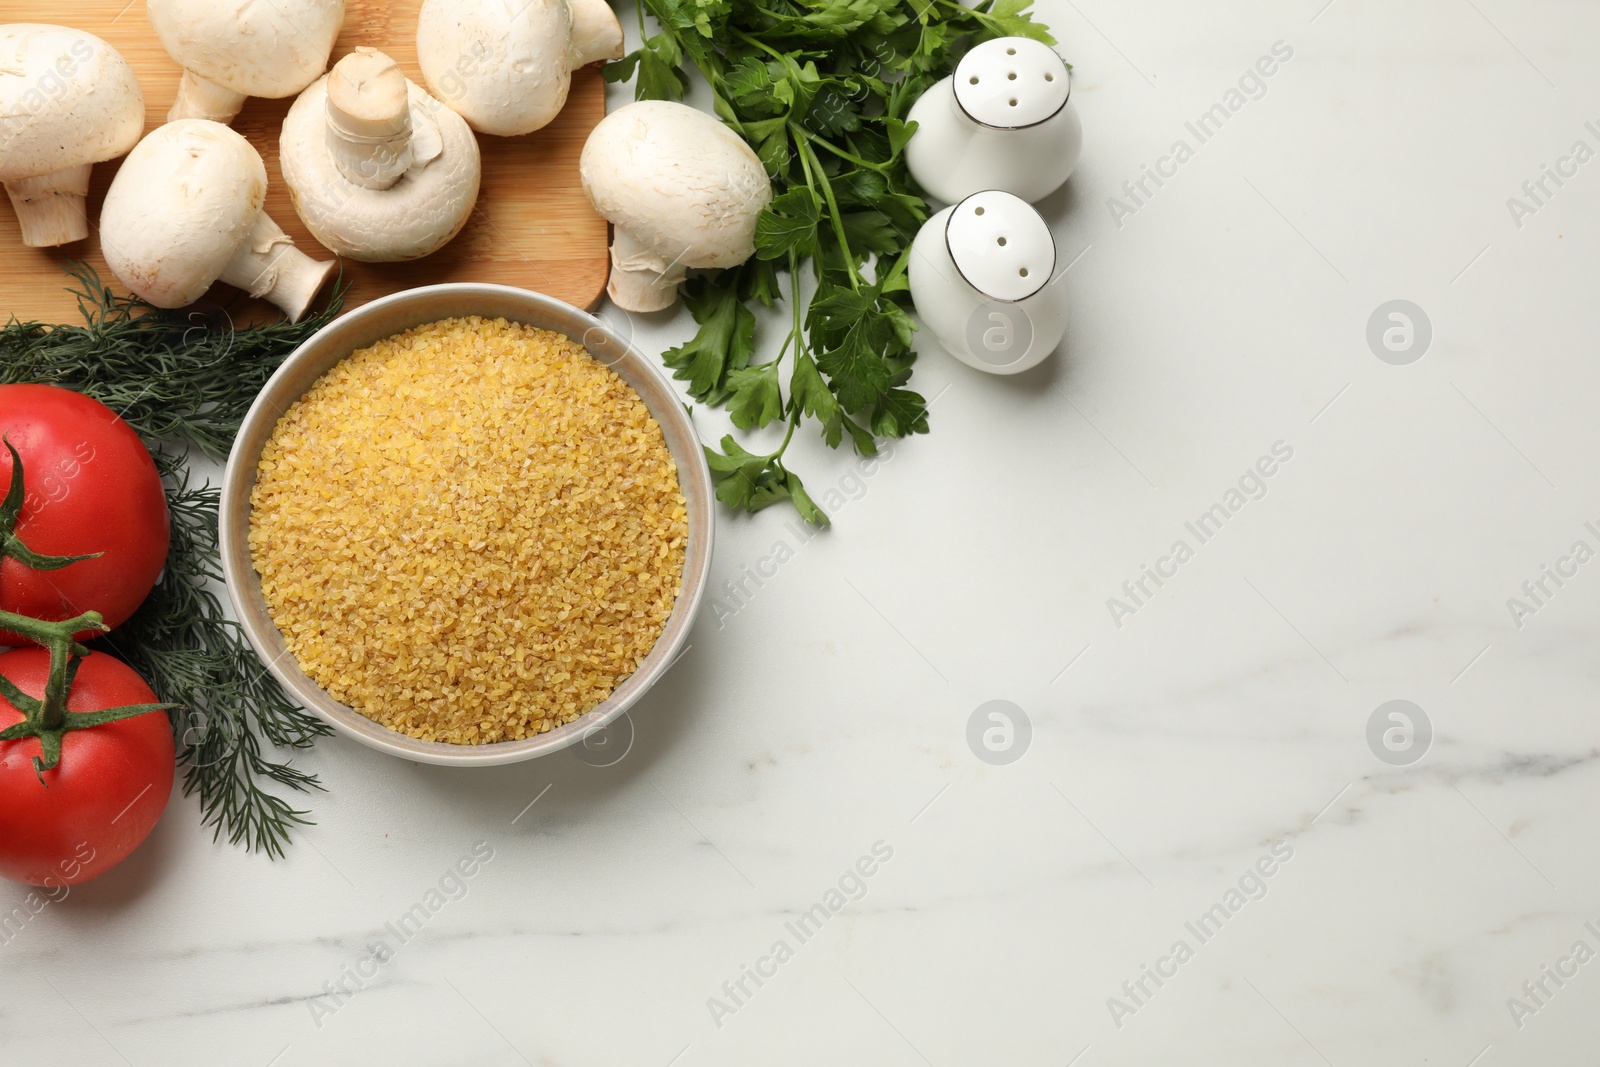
[{"x": 1196, "y": 768}]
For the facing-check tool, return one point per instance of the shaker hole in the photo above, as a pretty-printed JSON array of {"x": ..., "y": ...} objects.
[
  {"x": 1001, "y": 242},
  {"x": 1011, "y": 77},
  {"x": 1011, "y": 51},
  {"x": 1013, "y": 103},
  {"x": 1049, "y": 77},
  {"x": 972, "y": 80},
  {"x": 1023, "y": 272},
  {"x": 977, "y": 211}
]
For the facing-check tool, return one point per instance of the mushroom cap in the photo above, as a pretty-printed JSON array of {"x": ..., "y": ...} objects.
[
  {"x": 67, "y": 98},
  {"x": 596, "y": 33},
  {"x": 503, "y": 65},
  {"x": 273, "y": 50},
  {"x": 179, "y": 208},
  {"x": 678, "y": 181},
  {"x": 415, "y": 216}
]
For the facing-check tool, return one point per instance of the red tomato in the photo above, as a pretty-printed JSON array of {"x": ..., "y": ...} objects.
[
  {"x": 91, "y": 487},
  {"x": 106, "y": 794}
]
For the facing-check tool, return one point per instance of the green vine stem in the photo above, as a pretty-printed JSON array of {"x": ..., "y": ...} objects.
[{"x": 46, "y": 717}]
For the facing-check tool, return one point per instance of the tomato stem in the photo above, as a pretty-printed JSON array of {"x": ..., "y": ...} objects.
[
  {"x": 10, "y": 511},
  {"x": 46, "y": 718},
  {"x": 43, "y": 633}
]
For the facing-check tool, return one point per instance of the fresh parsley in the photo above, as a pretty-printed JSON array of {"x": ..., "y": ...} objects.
[{"x": 820, "y": 90}]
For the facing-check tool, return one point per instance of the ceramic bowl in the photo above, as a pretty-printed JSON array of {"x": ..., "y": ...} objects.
[{"x": 383, "y": 318}]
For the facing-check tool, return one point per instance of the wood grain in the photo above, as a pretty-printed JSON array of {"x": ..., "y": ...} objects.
[{"x": 532, "y": 227}]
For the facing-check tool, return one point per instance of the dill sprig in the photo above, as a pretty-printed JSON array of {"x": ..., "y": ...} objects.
[
  {"x": 192, "y": 654},
  {"x": 173, "y": 375},
  {"x": 184, "y": 381}
]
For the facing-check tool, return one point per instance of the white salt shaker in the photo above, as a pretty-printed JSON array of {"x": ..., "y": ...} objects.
[
  {"x": 1004, "y": 120},
  {"x": 982, "y": 276}
]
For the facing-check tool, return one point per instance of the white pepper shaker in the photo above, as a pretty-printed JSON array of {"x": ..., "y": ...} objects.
[
  {"x": 1004, "y": 120},
  {"x": 983, "y": 278}
]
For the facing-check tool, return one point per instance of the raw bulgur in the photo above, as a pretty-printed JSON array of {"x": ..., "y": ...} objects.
[{"x": 469, "y": 532}]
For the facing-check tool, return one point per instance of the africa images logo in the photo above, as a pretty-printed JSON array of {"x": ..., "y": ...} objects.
[
  {"x": 850, "y": 886},
  {"x": 1251, "y": 85}
]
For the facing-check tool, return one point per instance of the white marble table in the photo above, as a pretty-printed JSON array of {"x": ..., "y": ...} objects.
[{"x": 1198, "y": 773}]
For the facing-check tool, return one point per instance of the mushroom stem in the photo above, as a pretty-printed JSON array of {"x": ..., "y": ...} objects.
[
  {"x": 201, "y": 99},
  {"x": 52, "y": 209},
  {"x": 639, "y": 280},
  {"x": 269, "y": 266},
  {"x": 369, "y": 119},
  {"x": 596, "y": 33}
]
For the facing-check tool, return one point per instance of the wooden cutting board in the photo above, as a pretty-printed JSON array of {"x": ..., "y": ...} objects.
[{"x": 532, "y": 226}]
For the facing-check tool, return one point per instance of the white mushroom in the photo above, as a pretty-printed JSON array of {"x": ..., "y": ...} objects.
[
  {"x": 506, "y": 65},
  {"x": 185, "y": 210},
  {"x": 68, "y": 101},
  {"x": 596, "y": 33},
  {"x": 233, "y": 50},
  {"x": 682, "y": 189},
  {"x": 378, "y": 169}
]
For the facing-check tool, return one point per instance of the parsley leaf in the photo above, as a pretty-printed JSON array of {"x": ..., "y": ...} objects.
[
  {"x": 724, "y": 343},
  {"x": 757, "y": 400},
  {"x": 658, "y": 63},
  {"x": 808, "y": 391},
  {"x": 802, "y": 500},
  {"x": 1009, "y": 19},
  {"x": 789, "y": 224}
]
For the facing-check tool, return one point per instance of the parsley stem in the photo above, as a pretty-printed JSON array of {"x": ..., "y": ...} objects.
[
  {"x": 901, "y": 264},
  {"x": 981, "y": 16},
  {"x": 777, "y": 457},
  {"x": 882, "y": 168},
  {"x": 773, "y": 52},
  {"x": 794, "y": 283},
  {"x": 815, "y": 177}
]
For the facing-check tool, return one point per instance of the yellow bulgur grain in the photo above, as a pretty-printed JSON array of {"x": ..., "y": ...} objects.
[{"x": 469, "y": 532}]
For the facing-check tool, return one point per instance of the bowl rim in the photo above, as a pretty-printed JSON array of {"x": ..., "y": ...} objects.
[{"x": 243, "y": 582}]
